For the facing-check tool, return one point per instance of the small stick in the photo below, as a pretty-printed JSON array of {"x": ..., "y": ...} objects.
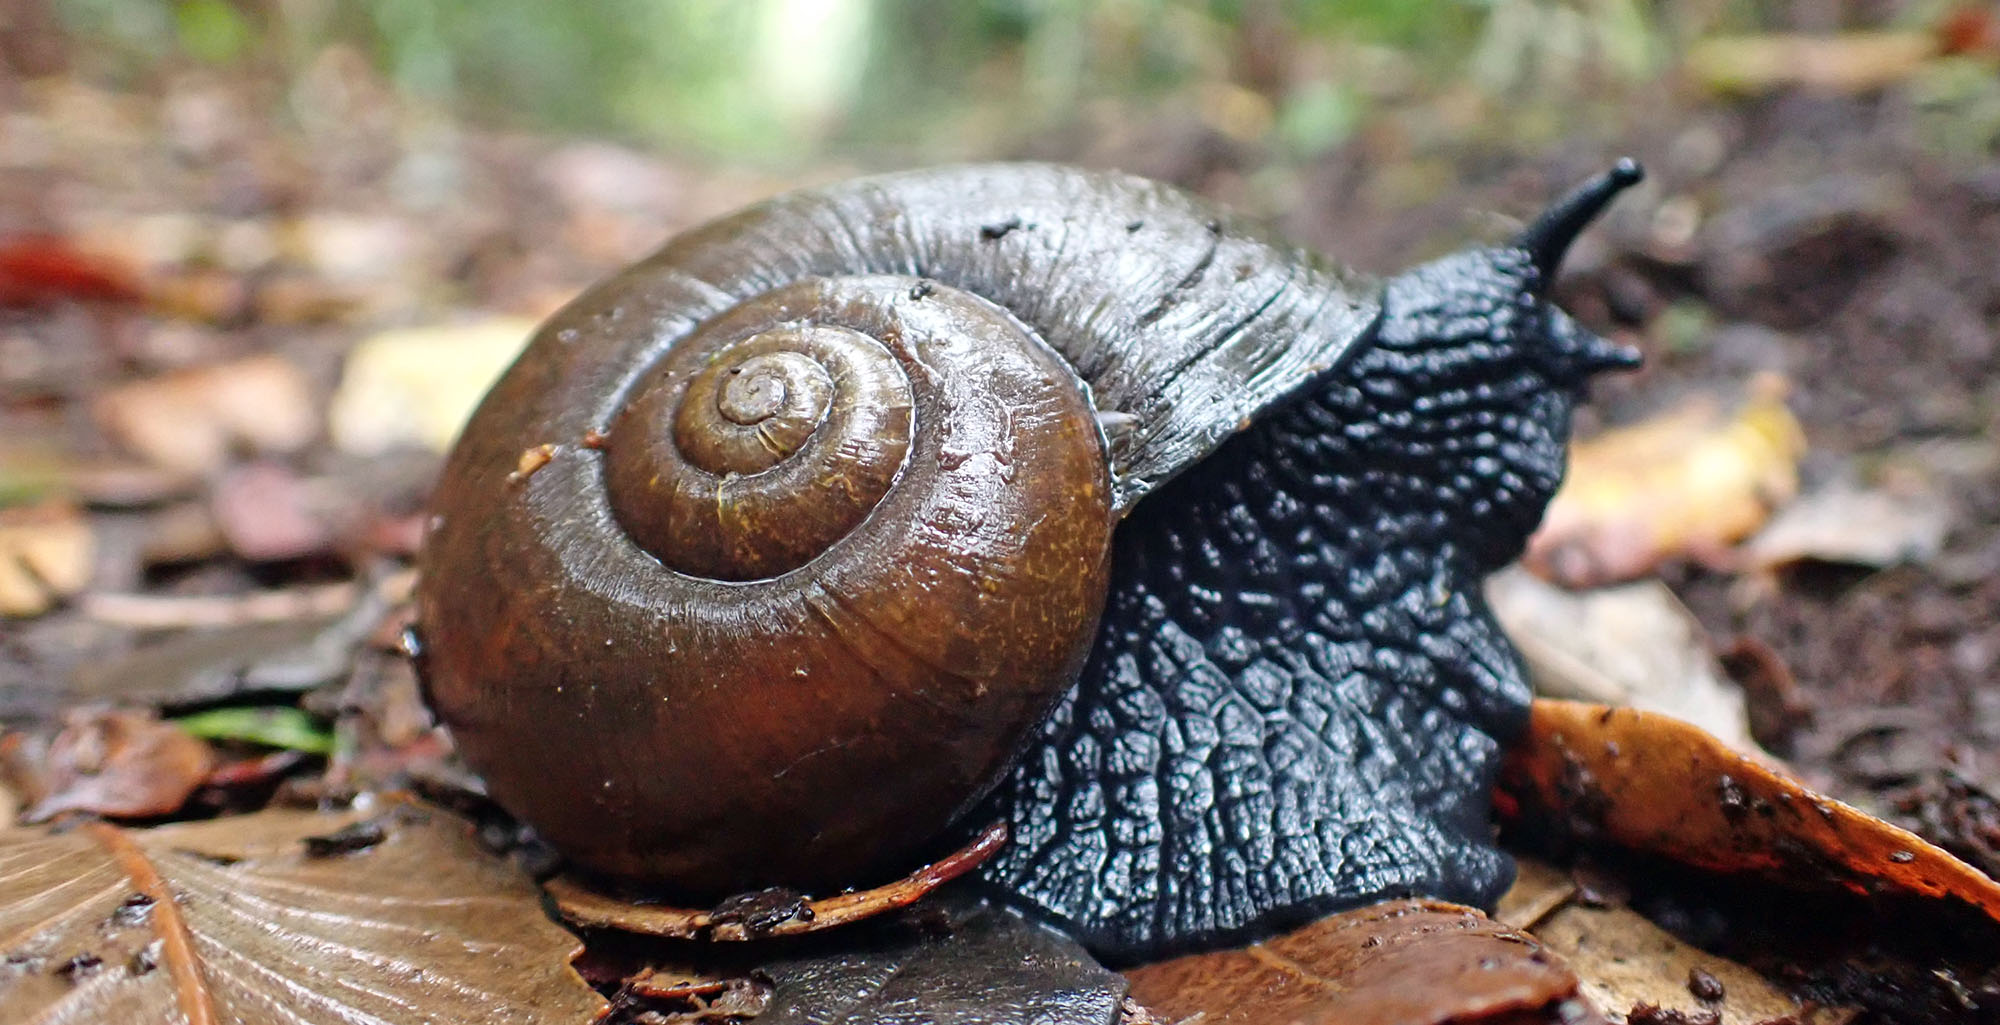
[{"x": 586, "y": 907}]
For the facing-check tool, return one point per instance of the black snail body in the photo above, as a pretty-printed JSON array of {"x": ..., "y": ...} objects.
[{"x": 856, "y": 608}]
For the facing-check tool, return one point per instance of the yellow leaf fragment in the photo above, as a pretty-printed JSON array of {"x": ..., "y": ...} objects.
[
  {"x": 415, "y": 387},
  {"x": 1690, "y": 482},
  {"x": 1846, "y": 62},
  {"x": 46, "y": 554}
]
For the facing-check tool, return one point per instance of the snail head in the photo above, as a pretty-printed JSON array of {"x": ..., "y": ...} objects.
[{"x": 1473, "y": 341}]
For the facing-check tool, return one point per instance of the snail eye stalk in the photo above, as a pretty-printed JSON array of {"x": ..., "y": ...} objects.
[{"x": 1549, "y": 238}]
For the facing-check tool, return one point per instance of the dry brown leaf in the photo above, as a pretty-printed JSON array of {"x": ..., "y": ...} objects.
[
  {"x": 1845, "y": 62},
  {"x": 46, "y": 554},
  {"x": 1634, "y": 644},
  {"x": 193, "y": 419},
  {"x": 1404, "y": 962},
  {"x": 116, "y": 763},
  {"x": 401, "y": 919},
  {"x": 1656, "y": 784},
  {"x": 1690, "y": 482}
]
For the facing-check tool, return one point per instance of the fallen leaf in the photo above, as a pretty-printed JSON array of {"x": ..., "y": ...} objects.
[
  {"x": 769, "y": 913},
  {"x": 1849, "y": 525},
  {"x": 47, "y": 552},
  {"x": 238, "y": 655},
  {"x": 415, "y": 387},
  {"x": 115, "y": 763},
  {"x": 1655, "y": 784},
  {"x": 192, "y": 420},
  {"x": 10, "y": 803},
  {"x": 729, "y": 1000},
  {"x": 1845, "y": 62},
  {"x": 1690, "y": 482},
  {"x": 968, "y": 964},
  {"x": 1625, "y": 961},
  {"x": 353, "y": 248},
  {"x": 1632, "y": 645},
  {"x": 144, "y": 611},
  {"x": 40, "y": 270},
  {"x": 1969, "y": 29},
  {"x": 237, "y": 920},
  {"x": 290, "y": 728},
  {"x": 1539, "y": 889},
  {"x": 36, "y": 470},
  {"x": 1406, "y": 962},
  {"x": 267, "y": 512}
]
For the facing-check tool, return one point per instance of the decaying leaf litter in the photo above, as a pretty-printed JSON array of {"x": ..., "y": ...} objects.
[{"x": 196, "y": 375}]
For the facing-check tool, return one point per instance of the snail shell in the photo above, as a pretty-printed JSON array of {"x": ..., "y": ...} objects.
[{"x": 846, "y": 538}]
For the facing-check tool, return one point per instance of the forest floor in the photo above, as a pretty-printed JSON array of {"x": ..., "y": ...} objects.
[{"x": 156, "y": 248}]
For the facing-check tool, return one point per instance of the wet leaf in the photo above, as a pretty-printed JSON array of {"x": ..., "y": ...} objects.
[
  {"x": 46, "y": 554},
  {"x": 1853, "y": 526},
  {"x": 308, "y": 639},
  {"x": 1404, "y": 962},
  {"x": 971, "y": 964},
  {"x": 1625, "y": 961},
  {"x": 289, "y": 728},
  {"x": 193, "y": 420},
  {"x": 120, "y": 764},
  {"x": 1688, "y": 483},
  {"x": 237, "y": 920},
  {"x": 415, "y": 387},
  {"x": 1633, "y": 645},
  {"x": 1655, "y": 784}
]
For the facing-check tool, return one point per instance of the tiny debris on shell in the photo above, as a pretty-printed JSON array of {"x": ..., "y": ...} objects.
[{"x": 531, "y": 460}]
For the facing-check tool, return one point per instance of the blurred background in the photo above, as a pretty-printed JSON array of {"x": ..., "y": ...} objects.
[{"x": 258, "y": 258}]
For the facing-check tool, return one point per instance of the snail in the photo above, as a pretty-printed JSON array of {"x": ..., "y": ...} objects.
[{"x": 854, "y": 521}]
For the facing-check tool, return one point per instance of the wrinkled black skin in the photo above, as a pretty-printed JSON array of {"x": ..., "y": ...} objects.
[{"x": 1297, "y": 697}]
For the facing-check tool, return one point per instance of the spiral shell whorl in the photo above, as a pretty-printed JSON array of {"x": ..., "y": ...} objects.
[
  {"x": 678, "y": 672},
  {"x": 753, "y": 448}
]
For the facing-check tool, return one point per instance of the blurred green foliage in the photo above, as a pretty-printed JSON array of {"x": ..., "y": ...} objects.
[{"x": 781, "y": 80}]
